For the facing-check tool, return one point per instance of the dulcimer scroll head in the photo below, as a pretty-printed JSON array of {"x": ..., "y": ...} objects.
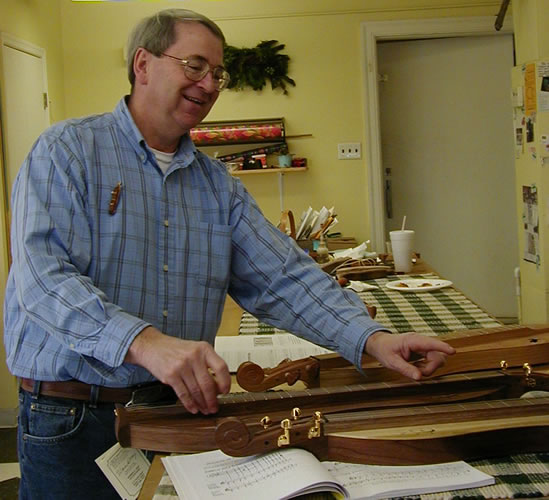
[
  {"x": 249, "y": 375},
  {"x": 232, "y": 435}
]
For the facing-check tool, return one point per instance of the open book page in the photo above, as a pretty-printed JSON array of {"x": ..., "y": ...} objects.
[
  {"x": 276, "y": 475},
  {"x": 265, "y": 350},
  {"x": 374, "y": 481}
]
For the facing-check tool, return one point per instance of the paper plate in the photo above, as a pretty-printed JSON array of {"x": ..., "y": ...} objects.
[{"x": 418, "y": 285}]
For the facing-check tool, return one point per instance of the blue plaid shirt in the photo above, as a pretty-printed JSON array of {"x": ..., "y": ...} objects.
[{"x": 85, "y": 282}]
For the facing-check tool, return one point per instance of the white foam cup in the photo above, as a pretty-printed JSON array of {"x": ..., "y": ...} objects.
[{"x": 402, "y": 243}]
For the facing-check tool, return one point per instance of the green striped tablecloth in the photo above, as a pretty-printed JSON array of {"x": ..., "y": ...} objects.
[
  {"x": 517, "y": 476},
  {"x": 431, "y": 312}
]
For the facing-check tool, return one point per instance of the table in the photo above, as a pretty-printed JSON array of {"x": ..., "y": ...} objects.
[
  {"x": 433, "y": 313},
  {"x": 430, "y": 313},
  {"x": 233, "y": 313}
]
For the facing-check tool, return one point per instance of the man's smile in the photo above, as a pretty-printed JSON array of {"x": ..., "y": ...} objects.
[{"x": 194, "y": 100}]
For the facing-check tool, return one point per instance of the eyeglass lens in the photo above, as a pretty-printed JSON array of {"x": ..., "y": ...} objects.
[{"x": 196, "y": 69}]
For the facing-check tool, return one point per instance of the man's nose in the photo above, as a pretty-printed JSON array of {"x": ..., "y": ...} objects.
[{"x": 208, "y": 83}]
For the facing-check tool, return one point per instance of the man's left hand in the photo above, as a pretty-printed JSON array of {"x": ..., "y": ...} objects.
[{"x": 395, "y": 352}]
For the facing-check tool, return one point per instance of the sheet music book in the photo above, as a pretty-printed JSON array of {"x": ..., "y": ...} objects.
[
  {"x": 265, "y": 350},
  {"x": 291, "y": 472}
]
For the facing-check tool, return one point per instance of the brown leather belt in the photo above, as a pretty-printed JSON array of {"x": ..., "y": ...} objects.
[{"x": 72, "y": 389}]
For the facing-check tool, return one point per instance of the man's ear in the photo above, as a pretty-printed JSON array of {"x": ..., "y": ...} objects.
[{"x": 141, "y": 63}]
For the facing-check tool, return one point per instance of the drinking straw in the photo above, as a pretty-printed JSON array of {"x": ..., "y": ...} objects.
[{"x": 403, "y": 223}]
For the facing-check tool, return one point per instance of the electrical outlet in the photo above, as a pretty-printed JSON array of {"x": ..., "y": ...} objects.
[{"x": 349, "y": 151}]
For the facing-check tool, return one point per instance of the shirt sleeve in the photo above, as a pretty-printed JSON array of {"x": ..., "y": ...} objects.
[
  {"x": 51, "y": 246},
  {"x": 277, "y": 282}
]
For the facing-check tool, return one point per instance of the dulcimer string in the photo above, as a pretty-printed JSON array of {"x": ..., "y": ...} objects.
[{"x": 359, "y": 394}]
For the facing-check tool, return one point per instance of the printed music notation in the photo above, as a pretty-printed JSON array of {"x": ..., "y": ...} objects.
[
  {"x": 291, "y": 472},
  {"x": 230, "y": 475},
  {"x": 381, "y": 479}
]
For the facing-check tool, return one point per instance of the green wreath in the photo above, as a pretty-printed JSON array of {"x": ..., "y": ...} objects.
[{"x": 253, "y": 67}]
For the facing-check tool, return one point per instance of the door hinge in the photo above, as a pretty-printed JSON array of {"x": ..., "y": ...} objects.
[{"x": 45, "y": 99}]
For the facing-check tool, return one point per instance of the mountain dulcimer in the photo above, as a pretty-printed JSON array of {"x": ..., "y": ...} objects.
[
  {"x": 403, "y": 436},
  {"x": 170, "y": 428},
  {"x": 475, "y": 350}
]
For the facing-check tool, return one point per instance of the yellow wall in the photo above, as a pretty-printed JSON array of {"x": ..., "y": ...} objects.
[
  {"x": 323, "y": 40},
  {"x": 531, "y": 33},
  {"x": 37, "y": 22}
]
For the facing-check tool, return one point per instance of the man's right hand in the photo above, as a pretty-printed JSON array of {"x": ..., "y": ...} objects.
[{"x": 193, "y": 369}]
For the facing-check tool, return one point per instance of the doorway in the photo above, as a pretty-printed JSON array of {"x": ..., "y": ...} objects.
[
  {"x": 445, "y": 116},
  {"x": 480, "y": 252}
]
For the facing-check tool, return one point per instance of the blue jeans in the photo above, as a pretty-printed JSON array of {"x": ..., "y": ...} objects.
[{"x": 58, "y": 441}]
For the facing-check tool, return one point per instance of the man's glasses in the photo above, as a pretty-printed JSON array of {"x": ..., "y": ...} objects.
[{"x": 196, "y": 69}]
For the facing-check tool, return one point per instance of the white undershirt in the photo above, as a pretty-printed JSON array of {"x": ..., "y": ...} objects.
[{"x": 164, "y": 160}]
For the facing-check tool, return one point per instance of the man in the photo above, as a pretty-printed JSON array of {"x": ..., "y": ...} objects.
[{"x": 126, "y": 241}]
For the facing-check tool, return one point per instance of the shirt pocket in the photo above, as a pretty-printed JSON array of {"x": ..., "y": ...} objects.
[{"x": 212, "y": 255}]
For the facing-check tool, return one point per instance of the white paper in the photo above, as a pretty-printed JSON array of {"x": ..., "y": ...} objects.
[
  {"x": 289, "y": 472},
  {"x": 377, "y": 481},
  {"x": 322, "y": 217},
  {"x": 305, "y": 218},
  {"x": 543, "y": 101},
  {"x": 125, "y": 468},
  {"x": 360, "y": 286},
  {"x": 213, "y": 474},
  {"x": 265, "y": 350},
  {"x": 358, "y": 252}
]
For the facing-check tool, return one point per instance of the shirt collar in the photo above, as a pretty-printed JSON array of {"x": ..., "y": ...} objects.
[{"x": 186, "y": 150}]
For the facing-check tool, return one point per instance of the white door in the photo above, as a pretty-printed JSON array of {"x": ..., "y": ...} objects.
[
  {"x": 447, "y": 149},
  {"x": 26, "y": 112}
]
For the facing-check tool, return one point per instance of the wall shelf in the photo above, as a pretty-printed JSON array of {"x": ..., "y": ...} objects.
[
  {"x": 260, "y": 132},
  {"x": 274, "y": 170}
]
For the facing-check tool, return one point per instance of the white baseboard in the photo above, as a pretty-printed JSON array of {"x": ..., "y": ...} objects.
[{"x": 8, "y": 417}]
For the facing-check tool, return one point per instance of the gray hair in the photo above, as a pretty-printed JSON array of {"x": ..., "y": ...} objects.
[{"x": 157, "y": 32}]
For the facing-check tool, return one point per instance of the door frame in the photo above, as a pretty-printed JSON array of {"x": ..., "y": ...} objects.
[{"x": 372, "y": 32}]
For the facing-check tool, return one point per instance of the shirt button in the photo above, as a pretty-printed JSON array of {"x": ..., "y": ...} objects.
[
  {"x": 165, "y": 267},
  {"x": 71, "y": 346},
  {"x": 165, "y": 313},
  {"x": 166, "y": 222}
]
